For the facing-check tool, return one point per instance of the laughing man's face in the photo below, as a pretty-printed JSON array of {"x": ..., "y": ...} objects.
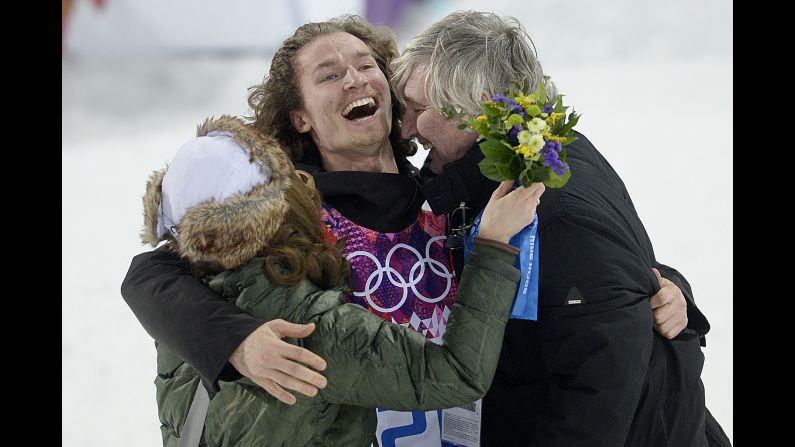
[{"x": 347, "y": 106}]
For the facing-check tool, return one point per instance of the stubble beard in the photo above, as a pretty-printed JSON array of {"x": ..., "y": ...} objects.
[{"x": 372, "y": 136}]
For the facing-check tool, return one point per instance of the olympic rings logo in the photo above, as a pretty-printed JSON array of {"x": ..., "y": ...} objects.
[{"x": 415, "y": 275}]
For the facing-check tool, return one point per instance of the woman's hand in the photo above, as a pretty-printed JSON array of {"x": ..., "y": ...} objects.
[{"x": 509, "y": 211}]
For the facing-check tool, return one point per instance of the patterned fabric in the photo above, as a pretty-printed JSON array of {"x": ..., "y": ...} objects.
[{"x": 406, "y": 278}]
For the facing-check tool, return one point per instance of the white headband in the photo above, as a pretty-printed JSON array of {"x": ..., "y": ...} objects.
[{"x": 209, "y": 167}]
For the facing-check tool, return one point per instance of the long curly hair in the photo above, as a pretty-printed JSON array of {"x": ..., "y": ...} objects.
[
  {"x": 279, "y": 94},
  {"x": 298, "y": 248}
]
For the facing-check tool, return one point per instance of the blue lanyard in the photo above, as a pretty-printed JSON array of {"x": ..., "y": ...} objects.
[{"x": 525, "y": 307}]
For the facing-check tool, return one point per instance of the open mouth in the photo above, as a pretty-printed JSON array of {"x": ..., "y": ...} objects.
[{"x": 360, "y": 109}]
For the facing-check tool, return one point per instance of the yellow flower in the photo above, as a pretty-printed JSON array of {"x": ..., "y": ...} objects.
[
  {"x": 524, "y": 101},
  {"x": 527, "y": 152},
  {"x": 548, "y": 136},
  {"x": 554, "y": 116},
  {"x": 482, "y": 118}
]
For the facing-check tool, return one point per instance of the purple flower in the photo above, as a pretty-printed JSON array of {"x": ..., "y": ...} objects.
[
  {"x": 553, "y": 145},
  {"x": 550, "y": 156},
  {"x": 512, "y": 134},
  {"x": 556, "y": 165},
  {"x": 547, "y": 109},
  {"x": 560, "y": 168},
  {"x": 499, "y": 98},
  {"x": 517, "y": 109},
  {"x": 551, "y": 159}
]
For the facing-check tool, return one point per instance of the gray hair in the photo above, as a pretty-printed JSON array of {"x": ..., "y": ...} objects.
[{"x": 466, "y": 54}]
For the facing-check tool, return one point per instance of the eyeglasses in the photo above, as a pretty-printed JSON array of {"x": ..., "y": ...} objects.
[{"x": 457, "y": 227}]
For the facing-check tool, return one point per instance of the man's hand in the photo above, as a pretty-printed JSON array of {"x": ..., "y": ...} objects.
[
  {"x": 669, "y": 307},
  {"x": 272, "y": 363}
]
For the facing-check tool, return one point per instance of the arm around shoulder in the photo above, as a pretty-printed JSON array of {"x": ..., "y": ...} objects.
[{"x": 176, "y": 309}]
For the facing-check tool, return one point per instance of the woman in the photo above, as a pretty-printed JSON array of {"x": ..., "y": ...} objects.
[{"x": 232, "y": 204}]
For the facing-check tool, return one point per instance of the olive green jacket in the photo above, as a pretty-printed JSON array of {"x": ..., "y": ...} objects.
[{"x": 370, "y": 362}]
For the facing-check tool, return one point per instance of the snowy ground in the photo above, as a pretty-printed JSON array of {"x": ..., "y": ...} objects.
[{"x": 652, "y": 80}]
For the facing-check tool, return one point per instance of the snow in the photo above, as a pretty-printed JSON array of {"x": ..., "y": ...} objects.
[{"x": 653, "y": 81}]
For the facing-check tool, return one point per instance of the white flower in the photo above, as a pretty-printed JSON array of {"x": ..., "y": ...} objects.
[
  {"x": 537, "y": 125},
  {"x": 524, "y": 137},
  {"x": 536, "y": 142}
]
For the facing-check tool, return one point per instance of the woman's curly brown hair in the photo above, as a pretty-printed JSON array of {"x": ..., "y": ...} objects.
[
  {"x": 278, "y": 94},
  {"x": 298, "y": 248}
]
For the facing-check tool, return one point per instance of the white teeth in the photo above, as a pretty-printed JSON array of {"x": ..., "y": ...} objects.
[{"x": 357, "y": 103}]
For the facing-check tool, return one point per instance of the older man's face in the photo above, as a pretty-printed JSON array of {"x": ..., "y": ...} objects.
[
  {"x": 441, "y": 136},
  {"x": 347, "y": 107}
]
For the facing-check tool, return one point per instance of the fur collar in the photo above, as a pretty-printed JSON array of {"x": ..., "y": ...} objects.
[{"x": 230, "y": 233}]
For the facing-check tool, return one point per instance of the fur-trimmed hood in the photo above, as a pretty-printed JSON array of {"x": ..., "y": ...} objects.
[{"x": 228, "y": 233}]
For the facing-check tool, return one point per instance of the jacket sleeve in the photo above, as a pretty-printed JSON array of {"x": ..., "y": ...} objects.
[
  {"x": 375, "y": 363},
  {"x": 596, "y": 332},
  {"x": 695, "y": 318},
  {"x": 177, "y": 310}
]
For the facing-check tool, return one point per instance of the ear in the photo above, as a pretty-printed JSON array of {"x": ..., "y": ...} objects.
[
  {"x": 299, "y": 123},
  {"x": 306, "y": 178}
]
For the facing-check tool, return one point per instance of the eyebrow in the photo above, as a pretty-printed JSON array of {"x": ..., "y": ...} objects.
[
  {"x": 327, "y": 63},
  {"x": 360, "y": 54}
]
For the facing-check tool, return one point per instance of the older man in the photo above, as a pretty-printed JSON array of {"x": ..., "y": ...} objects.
[
  {"x": 327, "y": 100},
  {"x": 591, "y": 371}
]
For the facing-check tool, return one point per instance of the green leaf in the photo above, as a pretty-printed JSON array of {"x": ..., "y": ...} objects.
[
  {"x": 534, "y": 172},
  {"x": 556, "y": 128},
  {"x": 557, "y": 181},
  {"x": 539, "y": 171},
  {"x": 569, "y": 139},
  {"x": 525, "y": 177},
  {"x": 558, "y": 107},
  {"x": 573, "y": 119},
  {"x": 489, "y": 169},
  {"x": 496, "y": 150},
  {"x": 505, "y": 170},
  {"x": 492, "y": 110},
  {"x": 540, "y": 93},
  {"x": 510, "y": 169},
  {"x": 479, "y": 127},
  {"x": 448, "y": 112}
]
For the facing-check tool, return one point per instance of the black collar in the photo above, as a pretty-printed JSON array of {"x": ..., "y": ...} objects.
[
  {"x": 387, "y": 203},
  {"x": 460, "y": 182}
]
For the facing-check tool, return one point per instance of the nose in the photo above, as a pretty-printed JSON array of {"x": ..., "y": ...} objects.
[
  {"x": 408, "y": 126},
  {"x": 354, "y": 79}
]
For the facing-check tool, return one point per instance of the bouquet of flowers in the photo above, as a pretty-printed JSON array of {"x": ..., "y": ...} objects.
[
  {"x": 524, "y": 134},
  {"x": 523, "y": 138}
]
